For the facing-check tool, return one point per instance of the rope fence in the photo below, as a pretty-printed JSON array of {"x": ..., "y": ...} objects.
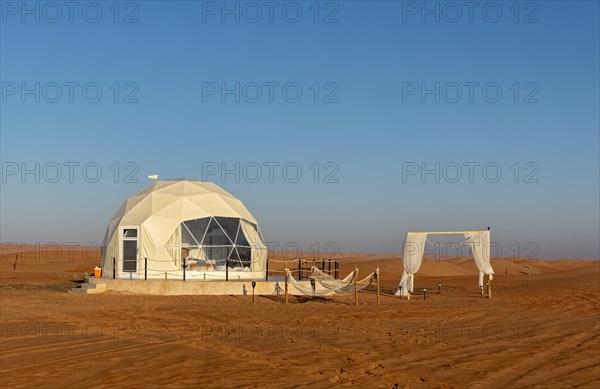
[{"x": 219, "y": 269}]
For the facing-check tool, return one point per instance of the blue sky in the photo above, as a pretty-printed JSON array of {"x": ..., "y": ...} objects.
[{"x": 158, "y": 65}]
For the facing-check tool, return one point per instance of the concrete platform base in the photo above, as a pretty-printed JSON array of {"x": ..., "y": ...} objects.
[
  {"x": 178, "y": 287},
  {"x": 90, "y": 288}
]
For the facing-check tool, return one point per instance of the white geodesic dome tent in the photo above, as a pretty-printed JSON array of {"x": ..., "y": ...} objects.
[{"x": 176, "y": 225}]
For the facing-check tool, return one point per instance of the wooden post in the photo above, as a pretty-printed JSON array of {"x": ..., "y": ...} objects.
[
  {"x": 377, "y": 275},
  {"x": 299, "y": 269},
  {"x": 184, "y": 269},
  {"x": 286, "y": 286},
  {"x": 329, "y": 267},
  {"x": 355, "y": 285},
  {"x": 337, "y": 269},
  {"x": 16, "y": 259},
  {"x": 227, "y": 270},
  {"x": 145, "y": 268},
  {"x": 114, "y": 267}
]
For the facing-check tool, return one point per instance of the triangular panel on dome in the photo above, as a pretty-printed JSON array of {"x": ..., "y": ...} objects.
[
  {"x": 215, "y": 236},
  {"x": 196, "y": 228}
]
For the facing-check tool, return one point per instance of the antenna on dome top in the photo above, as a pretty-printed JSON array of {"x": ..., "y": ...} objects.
[{"x": 154, "y": 177}]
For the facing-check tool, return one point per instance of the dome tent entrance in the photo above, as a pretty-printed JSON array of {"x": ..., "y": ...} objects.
[
  {"x": 175, "y": 222},
  {"x": 414, "y": 247}
]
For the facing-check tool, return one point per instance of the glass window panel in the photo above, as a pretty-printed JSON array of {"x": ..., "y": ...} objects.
[
  {"x": 130, "y": 233},
  {"x": 245, "y": 255},
  {"x": 241, "y": 239},
  {"x": 129, "y": 255},
  {"x": 215, "y": 236},
  {"x": 229, "y": 225},
  {"x": 218, "y": 254},
  {"x": 187, "y": 238},
  {"x": 196, "y": 227}
]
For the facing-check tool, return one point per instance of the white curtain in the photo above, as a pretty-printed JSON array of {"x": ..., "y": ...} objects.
[
  {"x": 258, "y": 251},
  {"x": 479, "y": 243},
  {"x": 414, "y": 246},
  {"x": 174, "y": 246}
]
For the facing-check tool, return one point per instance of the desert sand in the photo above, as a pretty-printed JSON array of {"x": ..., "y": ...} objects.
[{"x": 540, "y": 329}]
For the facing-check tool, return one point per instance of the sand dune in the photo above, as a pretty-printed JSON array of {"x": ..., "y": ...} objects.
[{"x": 540, "y": 329}]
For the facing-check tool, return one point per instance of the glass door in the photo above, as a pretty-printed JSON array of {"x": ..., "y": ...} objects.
[{"x": 129, "y": 248}]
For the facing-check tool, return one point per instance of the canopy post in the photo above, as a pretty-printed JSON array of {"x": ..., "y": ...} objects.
[
  {"x": 377, "y": 276},
  {"x": 355, "y": 285},
  {"x": 286, "y": 286}
]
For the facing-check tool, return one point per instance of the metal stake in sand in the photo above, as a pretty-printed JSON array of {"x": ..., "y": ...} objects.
[
  {"x": 145, "y": 268},
  {"x": 253, "y": 286},
  {"x": 114, "y": 267},
  {"x": 424, "y": 294},
  {"x": 267, "y": 271},
  {"x": 377, "y": 277},
  {"x": 439, "y": 287},
  {"x": 15, "y": 264},
  {"x": 355, "y": 285},
  {"x": 481, "y": 292}
]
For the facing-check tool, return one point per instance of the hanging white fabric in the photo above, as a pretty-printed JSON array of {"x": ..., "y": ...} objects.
[
  {"x": 414, "y": 247},
  {"x": 479, "y": 243}
]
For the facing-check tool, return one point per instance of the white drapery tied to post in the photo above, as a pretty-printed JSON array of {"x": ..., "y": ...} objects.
[
  {"x": 414, "y": 247},
  {"x": 479, "y": 243}
]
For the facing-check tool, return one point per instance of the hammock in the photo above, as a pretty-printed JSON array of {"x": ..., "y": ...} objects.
[{"x": 323, "y": 284}]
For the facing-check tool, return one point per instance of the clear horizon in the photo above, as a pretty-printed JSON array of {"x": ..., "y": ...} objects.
[{"x": 340, "y": 125}]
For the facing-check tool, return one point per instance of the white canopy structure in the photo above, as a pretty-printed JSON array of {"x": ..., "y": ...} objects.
[
  {"x": 414, "y": 247},
  {"x": 175, "y": 223}
]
